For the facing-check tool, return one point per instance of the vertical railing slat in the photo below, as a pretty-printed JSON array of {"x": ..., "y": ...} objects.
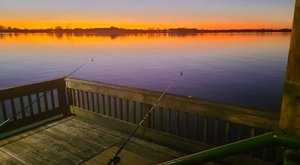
[
  {"x": 22, "y": 107},
  {"x": 88, "y": 101},
  {"x": 38, "y": 102},
  {"x": 73, "y": 97},
  {"x": 4, "y": 113},
  {"x": 216, "y": 129},
  {"x": 264, "y": 153},
  {"x": 121, "y": 108},
  {"x": 197, "y": 134},
  {"x": 30, "y": 104},
  {"x": 205, "y": 125},
  {"x": 69, "y": 96},
  {"x": 13, "y": 109},
  {"x": 98, "y": 103},
  {"x": 161, "y": 118},
  {"x": 103, "y": 104},
  {"x": 78, "y": 96},
  {"x": 109, "y": 105},
  {"x": 152, "y": 119},
  {"x": 227, "y": 127},
  {"x": 52, "y": 100},
  {"x": 45, "y": 101},
  {"x": 178, "y": 123},
  {"x": 93, "y": 102},
  {"x": 116, "y": 107},
  {"x": 146, "y": 108},
  {"x": 134, "y": 112},
  {"x": 83, "y": 100},
  {"x": 252, "y": 132},
  {"x": 127, "y": 110},
  {"x": 186, "y": 124},
  {"x": 169, "y": 121},
  {"x": 239, "y": 132}
]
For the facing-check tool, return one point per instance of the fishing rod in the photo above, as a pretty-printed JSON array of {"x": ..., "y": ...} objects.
[
  {"x": 39, "y": 98},
  {"x": 80, "y": 66},
  {"x": 116, "y": 159}
]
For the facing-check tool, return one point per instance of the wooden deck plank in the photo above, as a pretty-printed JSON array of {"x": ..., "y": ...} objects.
[
  {"x": 53, "y": 150},
  {"x": 24, "y": 151},
  {"x": 151, "y": 150},
  {"x": 86, "y": 143},
  {"x": 136, "y": 145},
  {"x": 94, "y": 132},
  {"x": 36, "y": 150},
  {"x": 127, "y": 158},
  {"x": 8, "y": 159},
  {"x": 74, "y": 141},
  {"x": 74, "y": 145}
]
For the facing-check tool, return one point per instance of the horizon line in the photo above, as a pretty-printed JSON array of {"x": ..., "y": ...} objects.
[{"x": 58, "y": 27}]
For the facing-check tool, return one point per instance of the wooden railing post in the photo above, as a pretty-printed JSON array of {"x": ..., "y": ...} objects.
[
  {"x": 62, "y": 98},
  {"x": 290, "y": 109}
]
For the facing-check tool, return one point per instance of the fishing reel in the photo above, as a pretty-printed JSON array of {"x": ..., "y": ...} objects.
[{"x": 115, "y": 160}]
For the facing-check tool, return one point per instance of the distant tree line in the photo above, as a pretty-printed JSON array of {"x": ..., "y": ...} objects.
[{"x": 115, "y": 30}]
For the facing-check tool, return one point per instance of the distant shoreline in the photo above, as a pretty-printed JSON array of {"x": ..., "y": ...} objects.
[{"x": 115, "y": 30}]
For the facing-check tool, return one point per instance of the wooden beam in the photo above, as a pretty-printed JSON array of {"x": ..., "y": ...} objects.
[
  {"x": 290, "y": 109},
  {"x": 293, "y": 67}
]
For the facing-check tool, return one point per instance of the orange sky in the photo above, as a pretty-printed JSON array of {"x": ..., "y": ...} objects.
[
  {"x": 137, "y": 25},
  {"x": 206, "y": 14}
]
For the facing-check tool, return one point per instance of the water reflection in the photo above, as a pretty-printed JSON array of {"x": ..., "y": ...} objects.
[
  {"x": 120, "y": 35},
  {"x": 111, "y": 36},
  {"x": 238, "y": 68}
]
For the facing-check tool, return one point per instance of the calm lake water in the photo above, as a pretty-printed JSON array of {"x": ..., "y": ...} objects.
[{"x": 242, "y": 69}]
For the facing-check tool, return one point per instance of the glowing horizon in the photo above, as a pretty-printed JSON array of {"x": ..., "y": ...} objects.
[
  {"x": 139, "y": 14},
  {"x": 46, "y": 25}
]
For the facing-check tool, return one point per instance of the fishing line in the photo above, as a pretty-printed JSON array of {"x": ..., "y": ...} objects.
[
  {"x": 80, "y": 66},
  {"x": 116, "y": 159},
  {"x": 43, "y": 95}
]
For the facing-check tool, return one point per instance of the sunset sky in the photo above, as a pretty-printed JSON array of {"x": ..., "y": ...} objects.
[{"x": 145, "y": 14}]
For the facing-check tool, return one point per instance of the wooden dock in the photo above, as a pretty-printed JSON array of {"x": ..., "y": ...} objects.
[
  {"x": 106, "y": 114},
  {"x": 74, "y": 141}
]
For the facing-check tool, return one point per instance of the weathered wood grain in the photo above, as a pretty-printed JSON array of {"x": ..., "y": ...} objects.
[
  {"x": 290, "y": 107},
  {"x": 74, "y": 141},
  {"x": 7, "y": 159},
  {"x": 128, "y": 158},
  {"x": 240, "y": 115},
  {"x": 293, "y": 67}
]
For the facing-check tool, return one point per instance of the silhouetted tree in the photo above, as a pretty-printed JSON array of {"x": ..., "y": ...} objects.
[{"x": 58, "y": 28}]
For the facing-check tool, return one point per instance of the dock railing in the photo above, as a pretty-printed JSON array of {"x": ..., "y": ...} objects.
[
  {"x": 209, "y": 123},
  {"x": 23, "y": 105}
]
